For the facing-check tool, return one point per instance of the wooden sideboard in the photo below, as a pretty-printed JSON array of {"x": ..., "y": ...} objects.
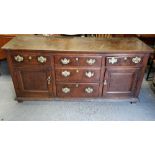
[{"x": 76, "y": 68}]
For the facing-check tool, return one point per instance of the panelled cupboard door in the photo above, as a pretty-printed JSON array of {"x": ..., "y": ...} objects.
[
  {"x": 33, "y": 82},
  {"x": 121, "y": 83}
]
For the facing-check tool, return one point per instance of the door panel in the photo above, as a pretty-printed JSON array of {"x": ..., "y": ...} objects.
[
  {"x": 34, "y": 82},
  {"x": 120, "y": 82}
]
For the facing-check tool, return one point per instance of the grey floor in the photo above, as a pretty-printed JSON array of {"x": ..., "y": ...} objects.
[{"x": 96, "y": 110}]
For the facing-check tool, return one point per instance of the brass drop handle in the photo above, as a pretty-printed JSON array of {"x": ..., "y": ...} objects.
[
  {"x": 89, "y": 74},
  {"x": 66, "y": 90},
  {"x": 65, "y": 73},
  {"x": 89, "y": 90},
  {"x": 113, "y": 60},
  {"x": 42, "y": 59},
  {"x": 91, "y": 61},
  {"x": 65, "y": 61},
  {"x": 136, "y": 60},
  {"x": 49, "y": 80},
  {"x": 19, "y": 58}
]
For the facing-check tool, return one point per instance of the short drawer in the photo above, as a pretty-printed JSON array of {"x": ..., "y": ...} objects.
[
  {"x": 124, "y": 60},
  {"x": 76, "y": 75},
  {"x": 78, "y": 60},
  {"x": 77, "y": 90},
  {"x": 30, "y": 58}
]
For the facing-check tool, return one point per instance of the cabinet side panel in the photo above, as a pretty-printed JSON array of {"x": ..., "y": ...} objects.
[
  {"x": 13, "y": 73},
  {"x": 141, "y": 76}
]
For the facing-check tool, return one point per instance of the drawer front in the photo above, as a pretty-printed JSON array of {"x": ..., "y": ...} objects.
[
  {"x": 124, "y": 60},
  {"x": 66, "y": 60},
  {"x": 90, "y": 61},
  {"x": 78, "y": 60},
  {"x": 30, "y": 58},
  {"x": 77, "y": 90},
  {"x": 76, "y": 75}
]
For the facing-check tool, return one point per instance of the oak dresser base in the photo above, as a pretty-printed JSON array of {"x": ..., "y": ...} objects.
[{"x": 77, "y": 69}]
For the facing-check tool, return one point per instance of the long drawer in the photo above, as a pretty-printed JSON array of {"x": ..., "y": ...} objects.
[
  {"x": 76, "y": 75},
  {"x": 77, "y": 90},
  {"x": 78, "y": 60}
]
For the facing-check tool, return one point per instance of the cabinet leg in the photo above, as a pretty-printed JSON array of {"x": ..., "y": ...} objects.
[
  {"x": 149, "y": 70},
  {"x": 133, "y": 102},
  {"x": 20, "y": 101}
]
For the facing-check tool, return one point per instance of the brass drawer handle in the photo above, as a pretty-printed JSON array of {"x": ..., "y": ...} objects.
[
  {"x": 66, "y": 90},
  {"x": 113, "y": 60},
  {"x": 89, "y": 90},
  {"x": 42, "y": 59},
  {"x": 19, "y": 58},
  {"x": 91, "y": 61},
  {"x": 65, "y": 61},
  {"x": 65, "y": 73},
  {"x": 89, "y": 74},
  {"x": 136, "y": 60}
]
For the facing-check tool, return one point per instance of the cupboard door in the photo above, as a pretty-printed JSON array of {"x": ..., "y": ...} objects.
[
  {"x": 120, "y": 83},
  {"x": 34, "y": 82}
]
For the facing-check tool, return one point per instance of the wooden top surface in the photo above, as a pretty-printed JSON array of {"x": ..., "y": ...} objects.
[{"x": 77, "y": 44}]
